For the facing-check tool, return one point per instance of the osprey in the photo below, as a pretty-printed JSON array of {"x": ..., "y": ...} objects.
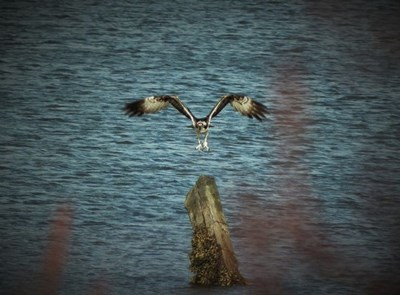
[{"x": 241, "y": 103}]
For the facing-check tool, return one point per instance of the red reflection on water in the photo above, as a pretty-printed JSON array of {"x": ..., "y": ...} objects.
[
  {"x": 56, "y": 252},
  {"x": 285, "y": 236}
]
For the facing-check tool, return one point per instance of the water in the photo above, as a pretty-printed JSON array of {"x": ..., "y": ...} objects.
[{"x": 311, "y": 194}]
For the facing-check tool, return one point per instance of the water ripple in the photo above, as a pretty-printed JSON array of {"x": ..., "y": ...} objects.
[{"x": 313, "y": 184}]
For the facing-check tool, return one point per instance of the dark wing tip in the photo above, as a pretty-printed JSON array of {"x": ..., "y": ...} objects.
[
  {"x": 259, "y": 110},
  {"x": 134, "y": 108}
]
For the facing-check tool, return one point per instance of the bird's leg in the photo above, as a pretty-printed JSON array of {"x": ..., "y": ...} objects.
[
  {"x": 199, "y": 147},
  {"x": 205, "y": 143}
]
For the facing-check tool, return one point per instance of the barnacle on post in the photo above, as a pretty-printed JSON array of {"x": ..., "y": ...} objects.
[{"x": 206, "y": 261}]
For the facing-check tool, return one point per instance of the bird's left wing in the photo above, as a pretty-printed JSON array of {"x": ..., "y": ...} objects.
[
  {"x": 241, "y": 103},
  {"x": 153, "y": 104}
]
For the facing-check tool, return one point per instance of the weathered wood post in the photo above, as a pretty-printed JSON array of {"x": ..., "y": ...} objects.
[{"x": 212, "y": 259}]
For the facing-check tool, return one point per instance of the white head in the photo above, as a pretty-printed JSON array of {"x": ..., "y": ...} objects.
[{"x": 201, "y": 126}]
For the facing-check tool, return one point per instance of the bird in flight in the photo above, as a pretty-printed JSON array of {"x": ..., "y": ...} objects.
[{"x": 241, "y": 103}]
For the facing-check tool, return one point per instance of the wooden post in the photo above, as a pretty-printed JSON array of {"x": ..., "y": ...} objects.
[{"x": 212, "y": 259}]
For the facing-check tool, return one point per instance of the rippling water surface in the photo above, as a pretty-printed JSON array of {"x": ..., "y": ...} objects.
[{"x": 311, "y": 194}]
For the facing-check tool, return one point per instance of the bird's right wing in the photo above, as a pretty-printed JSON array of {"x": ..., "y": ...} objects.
[
  {"x": 153, "y": 104},
  {"x": 241, "y": 103}
]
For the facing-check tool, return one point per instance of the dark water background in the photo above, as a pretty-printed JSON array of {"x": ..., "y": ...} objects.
[{"x": 311, "y": 194}]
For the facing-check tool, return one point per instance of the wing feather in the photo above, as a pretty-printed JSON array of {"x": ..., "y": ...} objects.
[
  {"x": 241, "y": 103},
  {"x": 154, "y": 104}
]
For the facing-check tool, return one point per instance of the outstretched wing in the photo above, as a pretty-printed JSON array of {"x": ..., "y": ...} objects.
[
  {"x": 241, "y": 103},
  {"x": 153, "y": 104}
]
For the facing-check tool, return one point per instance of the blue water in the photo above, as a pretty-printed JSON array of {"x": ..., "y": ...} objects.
[{"x": 311, "y": 194}]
